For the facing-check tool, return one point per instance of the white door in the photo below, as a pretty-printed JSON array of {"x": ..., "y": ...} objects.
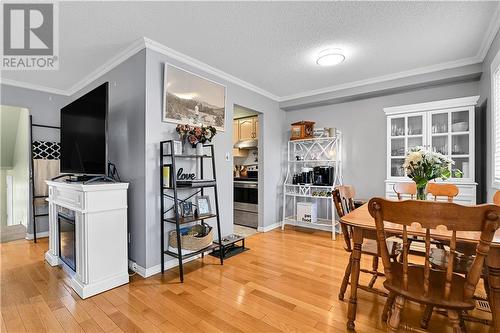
[{"x": 10, "y": 200}]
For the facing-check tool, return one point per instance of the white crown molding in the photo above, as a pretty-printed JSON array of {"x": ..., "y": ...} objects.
[
  {"x": 436, "y": 105},
  {"x": 492, "y": 31},
  {"x": 119, "y": 58},
  {"x": 144, "y": 42},
  {"x": 384, "y": 78},
  {"x": 32, "y": 86},
  {"x": 160, "y": 48}
]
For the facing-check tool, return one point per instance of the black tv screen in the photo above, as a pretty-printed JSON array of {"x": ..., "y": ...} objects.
[{"x": 84, "y": 134}]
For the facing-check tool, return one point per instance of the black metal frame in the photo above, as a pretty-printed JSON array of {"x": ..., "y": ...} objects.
[
  {"x": 176, "y": 200},
  {"x": 32, "y": 177},
  {"x": 67, "y": 218}
]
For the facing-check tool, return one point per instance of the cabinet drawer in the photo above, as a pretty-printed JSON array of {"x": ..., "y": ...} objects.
[{"x": 71, "y": 198}]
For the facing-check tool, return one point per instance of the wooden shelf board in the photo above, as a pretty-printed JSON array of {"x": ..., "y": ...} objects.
[
  {"x": 212, "y": 246},
  {"x": 184, "y": 220}
]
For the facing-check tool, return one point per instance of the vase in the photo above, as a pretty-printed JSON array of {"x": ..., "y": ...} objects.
[
  {"x": 422, "y": 191},
  {"x": 199, "y": 148},
  {"x": 187, "y": 147}
]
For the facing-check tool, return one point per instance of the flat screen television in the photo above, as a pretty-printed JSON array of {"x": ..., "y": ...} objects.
[{"x": 84, "y": 134}]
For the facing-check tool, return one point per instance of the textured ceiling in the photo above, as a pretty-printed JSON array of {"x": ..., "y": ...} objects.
[{"x": 272, "y": 45}]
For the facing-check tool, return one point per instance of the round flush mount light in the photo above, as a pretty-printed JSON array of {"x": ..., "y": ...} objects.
[{"x": 330, "y": 57}]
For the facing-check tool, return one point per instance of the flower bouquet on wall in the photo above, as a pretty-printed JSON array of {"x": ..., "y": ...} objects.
[
  {"x": 195, "y": 136},
  {"x": 423, "y": 165}
]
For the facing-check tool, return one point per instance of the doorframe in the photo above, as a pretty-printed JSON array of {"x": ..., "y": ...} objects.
[{"x": 10, "y": 199}]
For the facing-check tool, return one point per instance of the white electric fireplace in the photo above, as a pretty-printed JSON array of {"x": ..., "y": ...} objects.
[{"x": 88, "y": 234}]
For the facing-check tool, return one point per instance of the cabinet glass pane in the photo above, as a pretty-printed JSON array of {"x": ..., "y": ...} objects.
[
  {"x": 460, "y": 121},
  {"x": 414, "y": 142},
  {"x": 460, "y": 144},
  {"x": 439, "y": 123},
  {"x": 415, "y": 125},
  {"x": 397, "y": 126},
  {"x": 398, "y": 147},
  {"x": 462, "y": 164},
  {"x": 397, "y": 167},
  {"x": 440, "y": 144}
]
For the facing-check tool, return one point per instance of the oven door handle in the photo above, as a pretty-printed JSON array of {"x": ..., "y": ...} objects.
[{"x": 245, "y": 185}]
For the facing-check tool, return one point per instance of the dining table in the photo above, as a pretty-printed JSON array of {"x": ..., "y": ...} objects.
[{"x": 363, "y": 226}]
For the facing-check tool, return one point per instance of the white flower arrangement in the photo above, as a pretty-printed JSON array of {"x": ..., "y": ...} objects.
[{"x": 423, "y": 165}]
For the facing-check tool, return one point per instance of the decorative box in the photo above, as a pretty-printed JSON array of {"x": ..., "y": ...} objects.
[
  {"x": 302, "y": 130},
  {"x": 307, "y": 212}
]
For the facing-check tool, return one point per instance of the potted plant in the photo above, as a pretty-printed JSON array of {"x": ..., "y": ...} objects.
[
  {"x": 423, "y": 165},
  {"x": 195, "y": 136}
]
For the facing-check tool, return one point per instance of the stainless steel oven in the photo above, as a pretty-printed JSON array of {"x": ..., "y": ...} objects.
[{"x": 246, "y": 202}]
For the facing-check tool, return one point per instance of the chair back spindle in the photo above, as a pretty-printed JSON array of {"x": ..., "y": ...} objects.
[{"x": 427, "y": 264}]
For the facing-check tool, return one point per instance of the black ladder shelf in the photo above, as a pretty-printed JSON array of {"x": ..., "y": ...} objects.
[
  {"x": 166, "y": 194},
  {"x": 32, "y": 177}
]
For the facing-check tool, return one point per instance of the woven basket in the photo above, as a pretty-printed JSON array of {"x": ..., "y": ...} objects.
[{"x": 190, "y": 242}]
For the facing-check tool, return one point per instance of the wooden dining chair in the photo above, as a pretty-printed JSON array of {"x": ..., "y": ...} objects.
[
  {"x": 405, "y": 188},
  {"x": 343, "y": 198},
  {"x": 496, "y": 198},
  {"x": 450, "y": 191},
  {"x": 419, "y": 283}
]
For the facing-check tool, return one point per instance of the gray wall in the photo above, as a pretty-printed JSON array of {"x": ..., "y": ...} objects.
[
  {"x": 126, "y": 140},
  {"x": 45, "y": 108},
  {"x": 363, "y": 124},
  {"x": 270, "y": 168},
  {"x": 485, "y": 91}
]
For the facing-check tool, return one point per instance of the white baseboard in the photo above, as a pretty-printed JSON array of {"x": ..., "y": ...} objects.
[
  {"x": 43, "y": 234},
  {"x": 147, "y": 272},
  {"x": 269, "y": 227}
]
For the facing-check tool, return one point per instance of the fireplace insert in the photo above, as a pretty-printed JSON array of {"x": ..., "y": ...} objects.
[{"x": 67, "y": 245}]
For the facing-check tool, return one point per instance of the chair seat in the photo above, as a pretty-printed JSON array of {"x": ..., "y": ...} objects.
[
  {"x": 437, "y": 279},
  {"x": 370, "y": 247}
]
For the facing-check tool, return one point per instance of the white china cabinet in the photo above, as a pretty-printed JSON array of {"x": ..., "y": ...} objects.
[{"x": 445, "y": 126}]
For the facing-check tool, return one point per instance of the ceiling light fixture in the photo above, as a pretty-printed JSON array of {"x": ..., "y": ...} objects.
[{"x": 330, "y": 57}]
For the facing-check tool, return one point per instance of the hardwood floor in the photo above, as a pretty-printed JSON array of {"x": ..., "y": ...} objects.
[{"x": 287, "y": 282}]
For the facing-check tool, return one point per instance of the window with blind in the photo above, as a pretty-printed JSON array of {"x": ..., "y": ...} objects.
[{"x": 495, "y": 107}]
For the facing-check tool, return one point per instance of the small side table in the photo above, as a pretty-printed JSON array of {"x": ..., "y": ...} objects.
[{"x": 229, "y": 247}]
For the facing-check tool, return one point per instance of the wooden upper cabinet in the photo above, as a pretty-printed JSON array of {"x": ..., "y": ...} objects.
[
  {"x": 247, "y": 128},
  {"x": 236, "y": 131},
  {"x": 256, "y": 128}
]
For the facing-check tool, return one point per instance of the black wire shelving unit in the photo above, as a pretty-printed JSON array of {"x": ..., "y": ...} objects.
[{"x": 175, "y": 193}]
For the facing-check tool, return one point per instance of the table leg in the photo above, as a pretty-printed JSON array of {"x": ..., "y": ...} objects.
[
  {"x": 356, "y": 256},
  {"x": 493, "y": 262}
]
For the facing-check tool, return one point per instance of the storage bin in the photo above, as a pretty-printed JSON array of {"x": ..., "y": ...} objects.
[
  {"x": 307, "y": 212},
  {"x": 190, "y": 242}
]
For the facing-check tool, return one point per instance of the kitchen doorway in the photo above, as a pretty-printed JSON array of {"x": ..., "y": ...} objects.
[{"x": 246, "y": 137}]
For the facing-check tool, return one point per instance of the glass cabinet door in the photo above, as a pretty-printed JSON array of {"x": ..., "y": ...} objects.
[
  {"x": 406, "y": 132},
  {"x": 450, "y": 136},
  {"x": 460, "y": 144}
]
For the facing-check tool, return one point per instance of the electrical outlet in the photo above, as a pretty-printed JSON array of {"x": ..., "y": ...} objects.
[{"x": 134, "y": 267}]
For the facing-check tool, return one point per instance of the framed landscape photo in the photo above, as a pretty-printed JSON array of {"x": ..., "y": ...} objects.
[
  {"x": 193, "y": 100},
  {"x": 203, "y": 204}
]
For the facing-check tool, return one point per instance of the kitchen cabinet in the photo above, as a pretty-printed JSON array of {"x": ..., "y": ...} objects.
[
  {"x": 244, "y": 129},
  {"x": 446, "y": 127},
  {"x": 248, "y": 128}
]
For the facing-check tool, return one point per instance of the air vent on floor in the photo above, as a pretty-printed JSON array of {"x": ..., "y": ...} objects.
[{"x": 483, "y": 305}]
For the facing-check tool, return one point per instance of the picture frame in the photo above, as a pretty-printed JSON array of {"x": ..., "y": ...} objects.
[
  {"x": 203, "y": 205},
  {"x": 193, "y": 100},
  {"x": 186, "y": 209}
]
